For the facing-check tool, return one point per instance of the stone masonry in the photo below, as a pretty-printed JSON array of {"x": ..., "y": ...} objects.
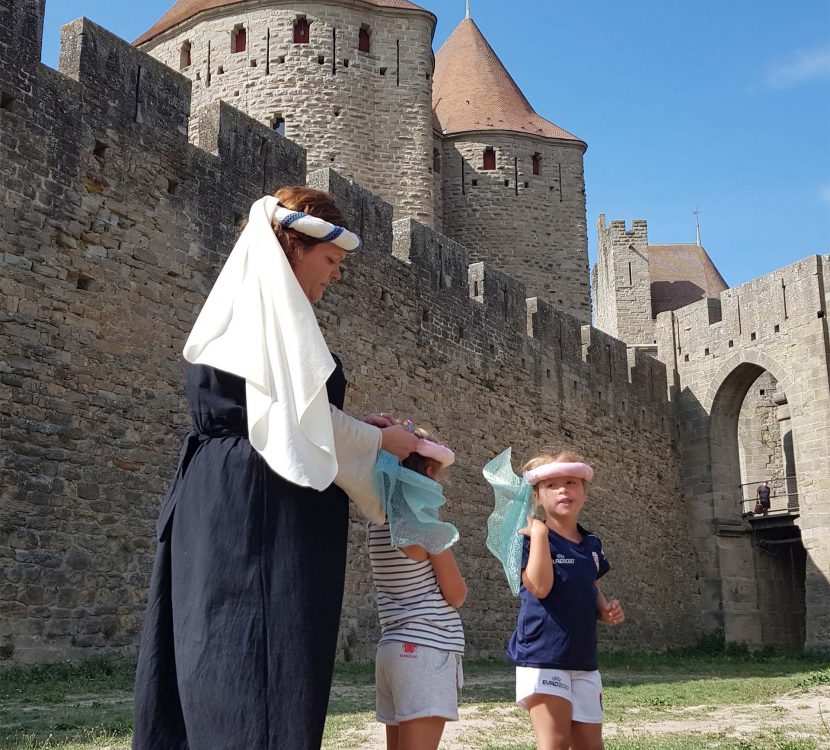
[
  {"x": 113, "y": 226},
  {"x": 368, "y": 114},
  {"x": 770, "y": 330}
]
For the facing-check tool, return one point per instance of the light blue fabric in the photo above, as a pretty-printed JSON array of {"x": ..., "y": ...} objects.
[
  {"x": 512, "y": 507},
  {"x": 412, "y": 504}
]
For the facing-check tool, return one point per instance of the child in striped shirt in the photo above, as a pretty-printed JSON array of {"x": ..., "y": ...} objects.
[{"x": 418, "y": 665}]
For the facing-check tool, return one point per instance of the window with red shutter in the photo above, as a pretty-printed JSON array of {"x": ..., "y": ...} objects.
[
  {"x": 537, "y": 164},
  {"x": 363, "y": 40},
  {"x": 489, "y": 158},
  {"x": 301, "y": 31},
  {"x": 240, "y": 40}
]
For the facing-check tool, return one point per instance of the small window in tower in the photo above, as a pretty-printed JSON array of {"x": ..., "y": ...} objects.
[
  {"x": 184, "y": 56},
  {"x": 278, "y": 124},
  {"x": 489, "y": 158},
  {"x": 301, "y": 31},
  {"x": 239, "y": 39},
  {"x": 537, "y": 164},
  {"x": 363, "y": 39},
  {"x": 436, "y": 160}
]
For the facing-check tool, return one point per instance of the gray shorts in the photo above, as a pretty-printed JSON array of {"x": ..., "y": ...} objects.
[{"x": 414, "y": 682}]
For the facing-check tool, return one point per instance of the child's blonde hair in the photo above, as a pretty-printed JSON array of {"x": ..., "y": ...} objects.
[{"x": 549, "y": 456}]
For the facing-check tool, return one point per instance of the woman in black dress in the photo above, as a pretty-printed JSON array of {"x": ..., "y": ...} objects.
[{"x": 242, "y": 616}]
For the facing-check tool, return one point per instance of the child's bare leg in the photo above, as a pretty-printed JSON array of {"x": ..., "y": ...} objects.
[
  {"x": 551, "y": 719},
  {"x": 391, "y": 737},
  {"x": 586, "y": 736},
  {"x": 420, "y": 734}
]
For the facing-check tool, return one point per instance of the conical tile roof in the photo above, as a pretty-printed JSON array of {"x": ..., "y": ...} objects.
[
  {"x": 472, "y": 90},
  {"x": 184, "y": 10}
]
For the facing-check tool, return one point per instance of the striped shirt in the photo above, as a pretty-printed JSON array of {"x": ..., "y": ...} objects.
[{"x": 411, "y": 608}]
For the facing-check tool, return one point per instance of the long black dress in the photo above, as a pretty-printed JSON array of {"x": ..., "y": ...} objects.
[{"x": 240, "y": 632}]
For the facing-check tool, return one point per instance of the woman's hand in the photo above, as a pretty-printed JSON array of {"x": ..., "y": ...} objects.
[
  {"x": 380, "y": 420},
  {"x": 398, "y": 441},
  {"x": 612, "y": 613}
]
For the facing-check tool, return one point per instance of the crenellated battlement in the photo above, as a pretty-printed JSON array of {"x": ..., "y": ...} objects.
[{"x": 114, "y": 227}]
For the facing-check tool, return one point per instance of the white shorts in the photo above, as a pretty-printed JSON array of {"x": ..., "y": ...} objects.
[
  {"x": 582, "y": 689},
  {"x": 414, "y": 682}
]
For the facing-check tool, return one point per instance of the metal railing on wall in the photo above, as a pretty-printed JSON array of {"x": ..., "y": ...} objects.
[{"x": 783, "y": 497}]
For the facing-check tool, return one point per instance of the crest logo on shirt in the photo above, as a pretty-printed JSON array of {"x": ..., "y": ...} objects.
[{"x": 596, "y": 560}]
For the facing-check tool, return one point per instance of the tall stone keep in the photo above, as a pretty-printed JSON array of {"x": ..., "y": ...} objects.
[
  {"x": 511, "y": 185},
  {"x": 349, "y": 81},
  {"x": 622, "y": 286}
]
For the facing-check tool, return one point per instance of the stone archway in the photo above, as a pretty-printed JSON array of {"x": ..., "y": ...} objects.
[{"x": 761, "y": 560}]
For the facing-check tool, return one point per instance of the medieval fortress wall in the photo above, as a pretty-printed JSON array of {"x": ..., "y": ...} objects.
[
  {"x": 368, "y": 114},
  {"x": 113, "y": 225}
]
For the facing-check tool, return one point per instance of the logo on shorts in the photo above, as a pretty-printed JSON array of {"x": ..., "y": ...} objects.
[
  {"x": 409, "y": 651},
  {"x": 556, "y": 682}
]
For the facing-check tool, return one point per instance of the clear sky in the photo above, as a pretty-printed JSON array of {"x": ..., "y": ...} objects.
[{"x": 723, "y": 105}]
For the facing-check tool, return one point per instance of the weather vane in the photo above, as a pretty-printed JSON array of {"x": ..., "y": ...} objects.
[{"x": 697, "y": 212}]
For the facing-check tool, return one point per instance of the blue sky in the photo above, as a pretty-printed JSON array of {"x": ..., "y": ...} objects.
[{"x": 721, "y": 105}]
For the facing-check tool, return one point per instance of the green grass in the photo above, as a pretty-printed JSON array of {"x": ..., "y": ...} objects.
[{"x": 88, "y": 705}]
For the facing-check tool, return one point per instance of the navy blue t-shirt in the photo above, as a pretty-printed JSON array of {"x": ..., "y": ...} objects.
[{"x": 560, "y": 631}]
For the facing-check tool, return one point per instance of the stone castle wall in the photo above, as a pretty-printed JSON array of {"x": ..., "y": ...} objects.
[
  {"x": 112, "y": 228},
  {"x": 775, "y": 324},
  {"x": 367, "y": 114},
  {"x": 530, "y": 226},
  {"x": 622, "y": 284}
]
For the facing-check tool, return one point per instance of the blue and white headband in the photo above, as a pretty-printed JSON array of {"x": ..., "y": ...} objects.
[{"x": 318, "y": 228}]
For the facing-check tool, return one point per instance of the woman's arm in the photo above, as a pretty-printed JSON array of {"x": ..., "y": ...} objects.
[
  {"x": 450, "y": 581},
  {"x": 538, "y": 573}
]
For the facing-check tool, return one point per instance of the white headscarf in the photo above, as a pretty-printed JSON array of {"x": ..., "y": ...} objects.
[{"x": 258, "y": 324}]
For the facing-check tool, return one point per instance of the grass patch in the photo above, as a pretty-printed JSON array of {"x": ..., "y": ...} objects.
[{"x": 88, "y": 705}]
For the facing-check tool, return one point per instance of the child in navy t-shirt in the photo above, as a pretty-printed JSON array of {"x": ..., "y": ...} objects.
[{"x": 554, "y": 646}]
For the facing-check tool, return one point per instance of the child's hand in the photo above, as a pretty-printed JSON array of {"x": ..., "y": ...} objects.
[
  {"x": 534, "y": 528},
  {"x": 612, "y": 613}
]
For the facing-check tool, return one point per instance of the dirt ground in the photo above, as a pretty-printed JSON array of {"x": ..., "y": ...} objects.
[{"x": 805, "y": 713}]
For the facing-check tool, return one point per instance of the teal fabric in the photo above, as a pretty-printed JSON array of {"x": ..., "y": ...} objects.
[
  {"x": 512, "y": 507},
  {"x": 412, "y": 506}
]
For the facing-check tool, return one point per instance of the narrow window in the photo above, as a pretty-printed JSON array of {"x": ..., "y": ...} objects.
[
  {"x": 301, "y": 31},
  {"x": 436, "y": 160},
  {"x": 363, "y": 40},
  {"x": 278, "y": 124},
  {"x": 489, "y": 158},
  {"x": 239, "y": 39},
  {"x": 537, "y": 164},
  {"x": 184, "y": 56}
]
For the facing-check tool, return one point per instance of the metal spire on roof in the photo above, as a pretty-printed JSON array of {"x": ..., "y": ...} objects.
[
  {"x": 697, "y": 214},
  {"x": 468, "y": 9}
]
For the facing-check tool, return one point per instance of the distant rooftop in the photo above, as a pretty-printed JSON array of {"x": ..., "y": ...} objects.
[
  {"x": 472, "y": 90},
  {"x": 680, "y": 275}
]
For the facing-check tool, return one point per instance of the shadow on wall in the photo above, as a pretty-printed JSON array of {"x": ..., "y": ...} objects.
[{"x": 672, "y": 295}]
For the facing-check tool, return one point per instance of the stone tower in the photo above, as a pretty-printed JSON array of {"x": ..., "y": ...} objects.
[
  {"x": 635, "y": 281},
  {"x": 511, "y": 184},
  {"x": 622, "y": 288},
  {"x": 348, "y": 80}
]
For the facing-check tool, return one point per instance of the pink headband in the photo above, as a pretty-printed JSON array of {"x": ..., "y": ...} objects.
[
  {"x": 438, "y": 452},
  {"x": 559, "y": 469}
]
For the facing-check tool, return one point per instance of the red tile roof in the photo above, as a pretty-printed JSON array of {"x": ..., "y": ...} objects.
[
  {"x": 472, "y": 90},
  {"x": 680, "y": 275},
  {"x": 184, "y": 10}
]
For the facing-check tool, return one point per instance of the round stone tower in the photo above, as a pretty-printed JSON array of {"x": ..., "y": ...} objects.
[
  {"x": 349, "y": 80},
  {"x": 508, "y": 183}
]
